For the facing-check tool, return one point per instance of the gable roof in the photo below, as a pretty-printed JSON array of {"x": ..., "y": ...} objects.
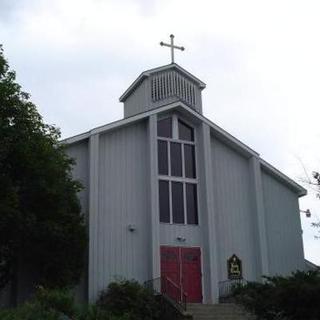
[
  {"x": 218, "y": 132},
  {"x": 148, "y": 73}
]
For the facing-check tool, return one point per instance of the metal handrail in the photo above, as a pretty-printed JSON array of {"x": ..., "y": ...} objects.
[
  {"x": 161, "y": 285},
  {"x": 182, "y": 294},
  {"x": 172, "y": 282},
  {"x": 226, "y": 288}
]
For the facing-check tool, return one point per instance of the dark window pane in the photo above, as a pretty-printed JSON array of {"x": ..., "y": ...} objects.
[
  {"x": 163, "y": 157},
  {"x": 189, "y": 161},
  {"x": 192, "y": 206},
  {"x": 164, "y": 207},
  {"x": 177, "y": 202},
  {"x": 165, "y": 128},
  {"x": 185, "y": 132},
  {"x": 176, "y": 159}
]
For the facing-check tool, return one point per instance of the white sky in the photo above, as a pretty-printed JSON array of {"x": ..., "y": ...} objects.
[{"x": 259, "y": 59}]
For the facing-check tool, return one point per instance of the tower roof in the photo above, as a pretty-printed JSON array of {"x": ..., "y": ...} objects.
[{"x": 172, "y": 66}]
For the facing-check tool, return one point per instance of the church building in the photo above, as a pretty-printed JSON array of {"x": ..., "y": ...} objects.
[{"x": 168, "y": 193}]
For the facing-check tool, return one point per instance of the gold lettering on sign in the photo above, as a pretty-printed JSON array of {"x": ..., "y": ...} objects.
[{"x": 234, "y": 267}]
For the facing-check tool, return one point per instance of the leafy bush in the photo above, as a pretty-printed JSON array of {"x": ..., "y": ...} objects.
[
  {"x": 45, "y": 305},
  {"x": 130, "y": 300},
  {"x": 36, "y": 311},
  {"x": 29, "y": 311},
  {"x": 294, "y": 298},
  {"x": 60, "y": 300},
  {"x": 125, "y": 300}
]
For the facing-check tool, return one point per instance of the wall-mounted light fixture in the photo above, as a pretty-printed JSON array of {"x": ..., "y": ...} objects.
[
  {"x": 307, "y": 212},
  {"x": 182, "y": 239},
  {"x": 132, "y": 227}
]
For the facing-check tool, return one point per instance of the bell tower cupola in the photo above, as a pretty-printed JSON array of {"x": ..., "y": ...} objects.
[{"x": 161, "y": 86}]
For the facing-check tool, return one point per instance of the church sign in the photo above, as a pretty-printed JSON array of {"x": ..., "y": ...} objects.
[{"x": 234, "y": 268}]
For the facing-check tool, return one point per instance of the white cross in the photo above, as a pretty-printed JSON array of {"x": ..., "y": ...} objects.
[{"x": 172, "y": 47}]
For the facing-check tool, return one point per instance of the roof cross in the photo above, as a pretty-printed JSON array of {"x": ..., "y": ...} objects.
[{"x": 172, "y": 47}]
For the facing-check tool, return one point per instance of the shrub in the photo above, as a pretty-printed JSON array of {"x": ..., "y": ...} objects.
[
  {"x": 58, "y": 304},
  {"x": 60, "y": 300},
  {"x": 36, "y": 311},
  {"x": 295, "y": 297},
  {"x": 45, "y": 305},
  {"x": 29, "y": 311},
  {"x": 130, "y": 300}
]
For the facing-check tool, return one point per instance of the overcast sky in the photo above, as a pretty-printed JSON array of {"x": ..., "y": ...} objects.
[{"x": 259, "y": 59}]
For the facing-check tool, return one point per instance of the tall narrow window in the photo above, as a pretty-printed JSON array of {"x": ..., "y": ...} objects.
[
  {"x": 177, "y": 202},
  {"x": 163, "y": 157},
  {"x": 176, "y": 159},
  {"x": 189, "y": 161},
  {"x": 164, "y": 204},
  {"x": 178, "y": 181},
  {"x": 191, "y": 196},
  {"x": 165, "y": 128}
]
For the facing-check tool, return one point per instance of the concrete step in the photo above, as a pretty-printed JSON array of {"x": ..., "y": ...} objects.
[{"x": 225, "y": 311}]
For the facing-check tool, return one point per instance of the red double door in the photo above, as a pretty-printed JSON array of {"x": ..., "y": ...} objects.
[{"x": 182, "y": 267}]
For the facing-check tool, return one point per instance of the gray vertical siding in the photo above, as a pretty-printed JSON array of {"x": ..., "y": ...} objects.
[
  {"x": 283, "y": 227},
  {"x": 208, "y": 218},
  {"x": 123, "y": 200},
  {"x": 124, "y": 178},
  {"x": 93, "y": 215},
  {"x": 138, "y": 101},
  {"x": 259, "y": 216},
  {"x": 234, "y": 209},
  {"x": 170, "y": 232},
  {"x": 153, "y": 224},
  {"x": 243, "y": 210}
]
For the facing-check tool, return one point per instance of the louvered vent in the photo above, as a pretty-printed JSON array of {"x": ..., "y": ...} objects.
[{"x": 170, "y": 84}]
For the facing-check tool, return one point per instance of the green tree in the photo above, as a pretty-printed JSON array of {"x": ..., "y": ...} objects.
[{"x": 41, "y": 224}]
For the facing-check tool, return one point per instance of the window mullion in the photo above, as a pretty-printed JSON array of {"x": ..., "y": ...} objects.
[
  {"x": 185, "y": 203},
  {"x": 184, "y": 185},
  {"x": 197, "y": 203},
  {"x": 169, "y": 158},
  {"x": 182, "y": 159},
  {"x": 175, "y": 133},
  {"x": 178, "y": 179},
  {"x": 170, "y": 202},
  {"x": 174, "y": 181},
  {"x": 177, "y": 140}
]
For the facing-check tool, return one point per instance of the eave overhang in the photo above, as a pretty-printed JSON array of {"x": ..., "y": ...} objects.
[
  {"x": 216, "y": 131},
  {"x": 282, "y": 177},
  {"x": 311, "y": 265}
]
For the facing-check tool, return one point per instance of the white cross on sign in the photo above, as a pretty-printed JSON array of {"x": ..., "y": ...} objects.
[{"x": 172, "y": 47}]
